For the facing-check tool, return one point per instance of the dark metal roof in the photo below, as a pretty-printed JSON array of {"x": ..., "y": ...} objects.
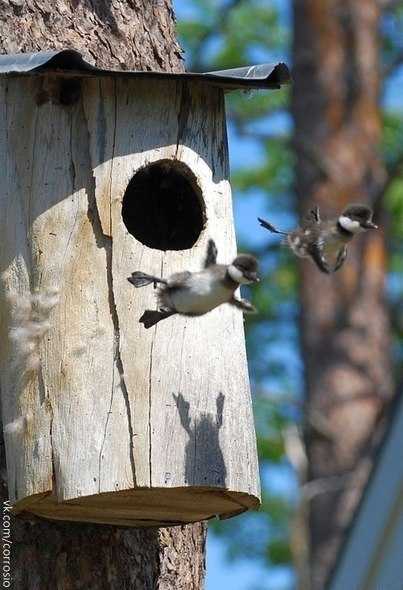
[{"x": 69, "y": 60}]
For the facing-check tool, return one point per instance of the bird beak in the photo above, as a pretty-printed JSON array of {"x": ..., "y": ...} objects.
[
  {"x": 252, "y": 276},
  {"x": 369, "y": 225}
]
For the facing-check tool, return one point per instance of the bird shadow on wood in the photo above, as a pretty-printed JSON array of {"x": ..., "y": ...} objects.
[{"x": 204, "y": 460}]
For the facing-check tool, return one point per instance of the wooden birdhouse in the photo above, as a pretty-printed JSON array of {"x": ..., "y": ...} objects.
[{"x": 105, "y": 173}]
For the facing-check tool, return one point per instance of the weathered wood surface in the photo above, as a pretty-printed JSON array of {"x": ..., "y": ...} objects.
[{"x": 114, "y": 407}]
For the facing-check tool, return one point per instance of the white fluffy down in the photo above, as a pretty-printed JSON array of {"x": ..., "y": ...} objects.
[
  {"x": 17, "y": 426},
  {"x": 30, "y": 322},
  {"x": 203, "y": 293},
  {"x": 350, "y": 225},
  {"x": 237, "y": 276}
]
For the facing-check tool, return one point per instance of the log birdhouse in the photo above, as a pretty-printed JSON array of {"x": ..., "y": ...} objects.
[{"x": 105, "y": 173}]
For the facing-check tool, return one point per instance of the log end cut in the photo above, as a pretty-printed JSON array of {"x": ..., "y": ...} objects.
[{"x": 142, "y": 506}]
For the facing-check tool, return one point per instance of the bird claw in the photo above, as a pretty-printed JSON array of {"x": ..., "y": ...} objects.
[
  {"x": 340, "y": 259},
  {"x": 248, "y": 306}
]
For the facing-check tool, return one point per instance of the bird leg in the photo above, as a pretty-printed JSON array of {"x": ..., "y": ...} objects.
[
  {"x": 243, "y": 304},
  {"x": 151, "y": 317},
  {"x": 340, "y": 258},
  {"x": 316, "y": 252}
]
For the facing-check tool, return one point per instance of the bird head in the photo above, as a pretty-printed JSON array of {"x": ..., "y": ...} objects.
[
  {"x": 357, "y": 218},
  {"x": 243, "y": 269}
]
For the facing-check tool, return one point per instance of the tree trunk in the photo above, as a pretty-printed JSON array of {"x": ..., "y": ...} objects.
[
  {"x": 132, "y": 34},
  {"x": 343, "y": 322},
  {"x": 136, "y": 34}
]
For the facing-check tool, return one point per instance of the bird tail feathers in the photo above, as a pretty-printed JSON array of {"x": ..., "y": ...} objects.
[
  {"x": 141, "y": 279},
  {"x": 271, "y": 227}
]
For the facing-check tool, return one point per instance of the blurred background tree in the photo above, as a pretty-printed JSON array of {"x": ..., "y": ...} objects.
[{"x": 324, "y": 352}]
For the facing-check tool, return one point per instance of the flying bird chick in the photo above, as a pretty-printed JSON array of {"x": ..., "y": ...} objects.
[
  {"x": 196, "y": 293},
  {"x": 325, "y": 241}
]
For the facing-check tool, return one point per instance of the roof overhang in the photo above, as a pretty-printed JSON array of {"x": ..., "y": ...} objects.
[
  {"x": 371, "y": 556},
  {"x": 70, "y": 61}
]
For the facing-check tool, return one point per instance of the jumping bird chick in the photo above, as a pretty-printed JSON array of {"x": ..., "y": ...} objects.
[
  {"x": 325, "y": 241},
  {"x": 196, "y": 293}
]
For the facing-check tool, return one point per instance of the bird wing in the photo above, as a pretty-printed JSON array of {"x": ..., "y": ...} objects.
[
  {"x": 314, "y": 214},
  {"x": 211, "y": 255},
  {"x": 328, "y": 249},
  {"x": 311, "y": 220}
]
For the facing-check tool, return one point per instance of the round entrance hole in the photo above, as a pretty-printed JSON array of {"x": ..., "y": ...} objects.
[{"x": 163, "y": 206}]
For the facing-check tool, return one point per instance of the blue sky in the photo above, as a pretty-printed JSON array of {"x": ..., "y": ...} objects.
[{"x": 240, "y": 574}]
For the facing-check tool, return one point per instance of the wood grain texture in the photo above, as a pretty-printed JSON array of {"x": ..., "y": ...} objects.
[
  {"x": 120, "y": 411},
  {"x": 23, "y": 396},
  {"x": 50, "y": 555}
]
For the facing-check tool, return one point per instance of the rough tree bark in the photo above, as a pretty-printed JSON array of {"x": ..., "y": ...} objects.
[
  {"x": 133, "y": 34},
  {"x": 343, "y": 320}
]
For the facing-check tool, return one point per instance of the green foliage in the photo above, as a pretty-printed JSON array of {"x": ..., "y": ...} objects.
[
  {"x": 252, "y": 106},
  {"x": 392, "y": 136},
  {"x": 271, "y": 447},
  {"x": 238, "y": 29},
  {"x": 394, "y": 204},
  {"x": 279, "y": 552},
  {"x": 259, "y": 535},
  {"x": 392, "y": 42}
]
